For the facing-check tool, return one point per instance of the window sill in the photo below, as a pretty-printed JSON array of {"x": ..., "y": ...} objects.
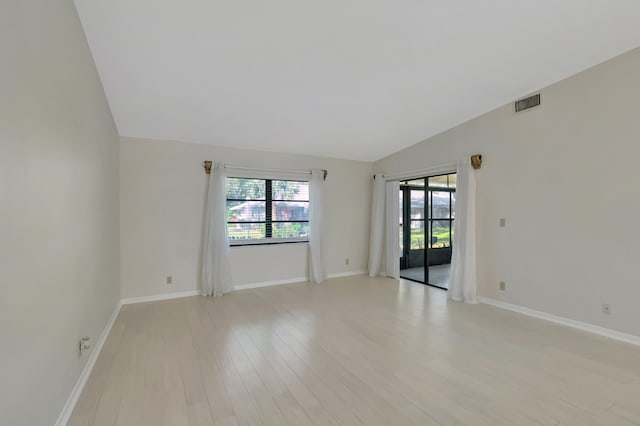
[{"x": 266, "y": 242}]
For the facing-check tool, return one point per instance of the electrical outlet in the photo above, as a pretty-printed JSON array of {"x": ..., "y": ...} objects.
[
  {"x": 84, "y": 344},
  {"x": 606, "y": 309},
  {"x": 503, "y": 286},
  {"x": 169, "y": 279},
  {"x": 503, "y": 222},
  {"x": 346, "y": 261}
]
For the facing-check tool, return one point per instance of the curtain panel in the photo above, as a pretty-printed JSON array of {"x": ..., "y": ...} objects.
[
  {"x": 462, "y": 281},
  {"x": 317, "y": 245},
  {"x": 215, "y": 271}
]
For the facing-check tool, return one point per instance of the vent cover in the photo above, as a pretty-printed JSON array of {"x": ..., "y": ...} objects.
[{"x": 530, "y": 102}]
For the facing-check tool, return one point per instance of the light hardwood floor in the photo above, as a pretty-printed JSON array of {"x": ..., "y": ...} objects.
[{"x": 353, "y": 351}]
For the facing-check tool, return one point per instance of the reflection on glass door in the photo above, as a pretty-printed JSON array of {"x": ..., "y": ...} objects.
[
  {"x": 427, "y": 212},
  {"x": 414, "y": 225}
]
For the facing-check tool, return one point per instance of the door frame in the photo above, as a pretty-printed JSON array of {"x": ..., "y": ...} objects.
[{"x": 406, "y": 226}]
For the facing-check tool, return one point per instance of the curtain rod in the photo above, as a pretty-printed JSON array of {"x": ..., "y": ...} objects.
[
  {"x": 476, "y": 162},
  {"x": 207, "y": 168}
]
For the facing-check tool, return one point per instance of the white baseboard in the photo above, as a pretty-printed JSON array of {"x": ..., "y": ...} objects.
[
  {"x": 606, "y": 332},
  {"x": 293, "y": 280},
  {"x": 65, "y": 414},
  {"x": 163, "y": 296},
  {"x": 347, "y": 274},
  {"x": 270, "y": 283},
  {"x": 167, "y": 296}
]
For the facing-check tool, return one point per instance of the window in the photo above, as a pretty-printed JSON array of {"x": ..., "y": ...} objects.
[
  {"x": 267, "y": 210},
  {"x": 442, "y": 202},
  {"x": 430, "y": 212}
]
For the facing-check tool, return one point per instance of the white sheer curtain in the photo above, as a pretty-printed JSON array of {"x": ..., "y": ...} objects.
[
  {"x": 392, "y": 225},
  {"x": 317, "y": 246},
  {"x": 216, "y": 262},
  {"x": 462, "y": 282},
  {"x": 376, "y": 237}
]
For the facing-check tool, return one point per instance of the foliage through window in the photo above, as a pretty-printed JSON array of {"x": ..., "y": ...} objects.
[
  {"x": 430, "y": 212},
  {"x": 267, "y": 210},
  {"x": 442, "y": 203}
]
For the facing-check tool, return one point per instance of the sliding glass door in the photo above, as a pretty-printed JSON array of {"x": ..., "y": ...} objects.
[
  {"x": 414, "y": 225},
  {"x": 426, "y": 228},
  {"x": 442, "y": 199}
]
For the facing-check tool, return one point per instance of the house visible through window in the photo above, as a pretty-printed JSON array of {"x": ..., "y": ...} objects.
[{"x": 267, "y": 210}]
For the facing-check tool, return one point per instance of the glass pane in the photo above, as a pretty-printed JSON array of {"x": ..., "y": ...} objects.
[
  {"x": 290, "y": 210},
  {"x": 453, "y": 178},
  {"x": 290, "y": 190},
  {"x": 441, "y": 204},
  {"x": 246, "y": 231},
  {"x": 246, "y": 189},
  {"x": 290, "y": 230},
  {"x": 401, "y": 217},
  {"x": 453, "y": 205},
  {"x": 246, "y": 211},
  {"x": 416, "y": 182},
  {"x": 417, "y": 235},
  {"x": 438, "y": 181},
  {"x": 440, "y": 233},
  {"x": 453, "y": 231},
  {"x": 417, "y": 204}
]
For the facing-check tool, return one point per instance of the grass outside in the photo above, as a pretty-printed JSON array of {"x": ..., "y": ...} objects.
[
  {"x": 280, "y": 230},
  {"x": 440, "y": 240}
]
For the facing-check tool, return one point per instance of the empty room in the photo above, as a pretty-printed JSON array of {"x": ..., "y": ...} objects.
[{"x": 319, "y": 213}]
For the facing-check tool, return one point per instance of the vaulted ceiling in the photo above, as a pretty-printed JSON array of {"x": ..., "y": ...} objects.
[{"x": 357, "y": 79}]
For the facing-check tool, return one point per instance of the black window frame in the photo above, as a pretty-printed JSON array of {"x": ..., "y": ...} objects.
[
  {"x": 429, "y": 193},
  {"x": 269, "y": 220}
]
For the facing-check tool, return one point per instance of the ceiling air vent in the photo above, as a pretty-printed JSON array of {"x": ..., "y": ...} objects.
[{"x": 530, "y": 102}]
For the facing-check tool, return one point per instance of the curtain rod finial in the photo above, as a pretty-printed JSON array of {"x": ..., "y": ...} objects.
[
  {"x": 476, "y": 161},
  {"x": 207, "y": 166}
]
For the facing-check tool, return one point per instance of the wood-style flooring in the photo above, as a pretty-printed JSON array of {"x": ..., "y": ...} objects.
[{"x": 353, "y": 351}]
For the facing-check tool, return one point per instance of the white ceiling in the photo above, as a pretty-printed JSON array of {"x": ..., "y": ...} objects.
[{"x": 357, "y": 79}]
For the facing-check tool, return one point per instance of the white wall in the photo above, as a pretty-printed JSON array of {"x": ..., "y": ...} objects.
[
  {"x": 162, "y": 187},
  {"x": 59, "y": 208},
  {"x": 567, "y": 179}
]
